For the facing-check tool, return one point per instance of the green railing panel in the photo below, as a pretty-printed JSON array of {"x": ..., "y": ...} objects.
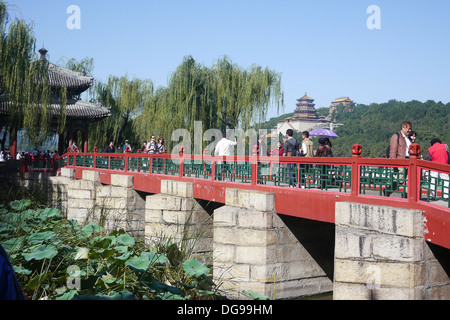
[
  {"x": 197, "y": 169},
  {"x": 384, "y": 180},
  {"x": 435, "y": 185},
  {"x": 324, "y": 177},
  {"x": 117, "y": 163},
  {"x": 84, "y": 161},
  {"x": 139, "y": 165},
  {"x": 166, "y": 166},
  {"x": 40, "y": 165},
  {"x": 61, "y": 163},
  {"x": 133, "y": 164},
  {"x": 101, "y": 162},
  {"x": 233, "y": 171},
  {"x": 144, "y": 165}
]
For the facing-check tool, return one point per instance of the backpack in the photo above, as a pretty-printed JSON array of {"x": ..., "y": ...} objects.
[
  {"x": 292, "y": 150},
  {"x": 388, "y": 150}
]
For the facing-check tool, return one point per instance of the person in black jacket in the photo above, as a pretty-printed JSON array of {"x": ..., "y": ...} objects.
[{"x": 9, "y": 286}]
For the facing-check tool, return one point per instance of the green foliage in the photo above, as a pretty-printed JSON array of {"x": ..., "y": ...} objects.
[
  {"x": 24, "y": 81},
  {"x": 372, "y": 126},
  {"x": 50, "y": 254},
  {"x": 220, "y": 97},
  {"x": 127, "y": 99}
]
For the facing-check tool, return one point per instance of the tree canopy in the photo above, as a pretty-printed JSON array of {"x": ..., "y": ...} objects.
[
  {"x": 24, "y": 80},
  {"x": 373, "y": 125},
  {"x": 224, "y": 96}
]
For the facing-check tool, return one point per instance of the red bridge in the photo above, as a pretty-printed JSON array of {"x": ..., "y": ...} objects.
[{"x": 303, "y": 187}]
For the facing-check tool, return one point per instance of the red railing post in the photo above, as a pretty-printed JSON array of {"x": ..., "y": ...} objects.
[
  {"x": 413, "y": 174},
  {"x": 94, "y": 160},
  {"x": 127, "y": 151},
  {"x": 254, "y": 162},
  {"x": 181, "y": 167},
  {"x": 356, "y": 151}
]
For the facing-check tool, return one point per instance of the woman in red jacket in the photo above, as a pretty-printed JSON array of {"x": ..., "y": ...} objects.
[{"x": 439, "y": 153}]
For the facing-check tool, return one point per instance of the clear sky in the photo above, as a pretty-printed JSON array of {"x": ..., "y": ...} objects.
[{"x": 323, "y": 47}]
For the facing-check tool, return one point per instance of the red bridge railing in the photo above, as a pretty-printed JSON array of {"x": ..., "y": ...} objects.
[{"x": 303, "y": 187}]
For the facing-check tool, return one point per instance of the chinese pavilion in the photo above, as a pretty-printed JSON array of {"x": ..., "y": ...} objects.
[{"x": 79, "y": 114}]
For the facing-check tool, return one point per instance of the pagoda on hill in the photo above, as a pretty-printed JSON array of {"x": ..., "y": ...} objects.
[
  {"x": 305, "y": 108},
  {"x": 79, "y": 114},
  {"x": 304, "y": 119}
]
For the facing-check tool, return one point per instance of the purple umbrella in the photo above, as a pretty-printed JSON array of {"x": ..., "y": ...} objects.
[{"x": 323, "y": 133}]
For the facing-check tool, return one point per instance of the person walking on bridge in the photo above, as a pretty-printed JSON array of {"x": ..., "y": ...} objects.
[
  {"x": 399, "y": 149},
  {"x": 399, "y": 146}
]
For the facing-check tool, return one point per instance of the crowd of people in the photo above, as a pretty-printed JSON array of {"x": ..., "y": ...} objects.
[
  {"x": 152, "y": 147},
  {"x": 290, "y": 147},
  {"x": 35, "y": 155}
]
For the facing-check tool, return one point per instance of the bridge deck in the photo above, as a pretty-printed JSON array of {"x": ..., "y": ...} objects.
[{"x": 303, "y": 187}]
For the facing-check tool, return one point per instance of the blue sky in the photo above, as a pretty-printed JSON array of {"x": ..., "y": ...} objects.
[{"x": 322, "y": 47}]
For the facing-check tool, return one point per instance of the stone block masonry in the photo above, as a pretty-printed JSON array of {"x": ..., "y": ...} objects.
[
  {"x": 81, "y": 197},
  {"x": 115, "y": 206},
  {"x": 59, "y": 185},
  {"x": 175, "y": 216},
  {"x": 254, "y": 250},
  {"x": 119, "y": 206},
  {"x": 381, "y": 254}
]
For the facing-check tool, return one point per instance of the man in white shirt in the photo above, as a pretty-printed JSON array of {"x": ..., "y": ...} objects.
[{"x": 224, "y": 147}]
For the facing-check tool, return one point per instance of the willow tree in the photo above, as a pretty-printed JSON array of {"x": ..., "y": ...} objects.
[
  {"x": 244, "y": 96},
  {"x": 188, "y": 98},
  {"x": 24, "y": 82},
  {"x": 224, "y": 96},
  {"x": 127, "y": 98}
]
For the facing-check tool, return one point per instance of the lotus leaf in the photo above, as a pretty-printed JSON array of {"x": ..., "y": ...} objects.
[
  {"x": 90, "y": 229},
  {"x": 140, "y": 264},
  {"x": 41, "y": 252},
  {"x": 124, "y": 295},
  {"x": 256, "y": 296},
  {"x": 154, "y": 257},
  {"x": 21, "y": 270},
  {"x": 102, "y": 242},
  {"x": 126, "y": 240},
  {"x": 194, "y": 268},
  {"x": 68, "y": 295},
  {"x": 19, "y": 205},
  {"x": 41, "y": 237},
  {"x": 36, "y": 282},
  {"x": 13, "y": 244},
  {"x": 51, "y": 213}
]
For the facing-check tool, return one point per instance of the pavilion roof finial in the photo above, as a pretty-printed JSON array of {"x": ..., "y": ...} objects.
[{"x": 43, "y": 52}]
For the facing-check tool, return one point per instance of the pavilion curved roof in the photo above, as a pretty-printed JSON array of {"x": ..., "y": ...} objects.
[
  {"x": 76, "y": 83},
  {"x": 75, "y": 110}
]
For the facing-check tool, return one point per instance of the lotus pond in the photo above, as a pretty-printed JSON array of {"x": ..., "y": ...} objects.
[{"x": 58, "y": 259}]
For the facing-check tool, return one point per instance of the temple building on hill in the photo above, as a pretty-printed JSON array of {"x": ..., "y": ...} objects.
[
  {"x": 304, "y": 119},
  {"x": 79, "y": 114}
]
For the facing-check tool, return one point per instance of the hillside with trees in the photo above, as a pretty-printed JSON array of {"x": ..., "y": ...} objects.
[{"x": 373, "y": 125}]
